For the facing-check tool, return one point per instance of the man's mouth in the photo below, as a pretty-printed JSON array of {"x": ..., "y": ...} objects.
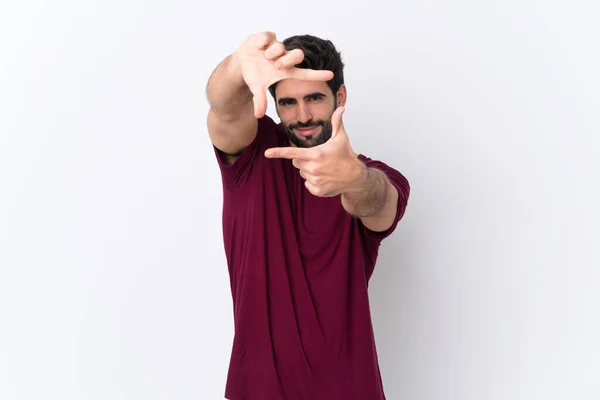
[{"x": 306, "y": 131}]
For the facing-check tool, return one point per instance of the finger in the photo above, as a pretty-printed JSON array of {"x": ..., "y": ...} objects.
[
  {"x": 291, "y": 58},
  {"x": 275, "y": 50},
  {"x": 307, "y": 175},
  {"x": 337, "y": 125},
  {"x": 308, "y": 167},
  {"x": 298, "y": 163},
  {"x": 264, "y": 39},
  {"x": 260, "y": 103},
  {"x": 316, "y": 190},
  {"x": 290, "y": 153},
  {"x": 311, "y": 74},
  {"x": 311, "y": 188}
]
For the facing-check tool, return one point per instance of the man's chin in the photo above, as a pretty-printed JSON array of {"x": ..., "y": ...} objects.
[{"x": 308, "y": 141}]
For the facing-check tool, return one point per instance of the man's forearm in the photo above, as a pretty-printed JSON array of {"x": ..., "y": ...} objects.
[
  {"x": 226, "y": 90},
  {"x": 369, "y": 195}
]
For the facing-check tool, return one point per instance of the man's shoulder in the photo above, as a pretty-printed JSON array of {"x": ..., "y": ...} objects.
[
  {"x": 238, "y": 169},
  {"x": 370, "y": 161},
  {"x": 272, "y": 131}
]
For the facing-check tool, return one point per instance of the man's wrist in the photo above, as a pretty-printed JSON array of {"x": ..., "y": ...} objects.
[{"x": 358, "y": 174}]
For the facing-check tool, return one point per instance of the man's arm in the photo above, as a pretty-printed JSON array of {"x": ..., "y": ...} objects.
[
  {"x": 231, "y": 122},
  {"x": 237, "y": 89},
  {"x": 332, "y": 168},
  {"x": 373, "y": 199}
]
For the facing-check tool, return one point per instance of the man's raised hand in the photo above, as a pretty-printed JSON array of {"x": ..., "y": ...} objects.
[
  {"x": 264, "y": 60},
  {"x": 329, "y": 169}
]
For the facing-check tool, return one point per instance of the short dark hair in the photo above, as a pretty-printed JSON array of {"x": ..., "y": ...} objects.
[{"x": 319, "y": 54}]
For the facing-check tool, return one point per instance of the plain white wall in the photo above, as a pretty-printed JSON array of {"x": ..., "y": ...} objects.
[{"x": 113, "y": 282}]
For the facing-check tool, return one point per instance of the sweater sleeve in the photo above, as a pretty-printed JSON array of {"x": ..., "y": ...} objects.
[{"x": 402, "y": 186}]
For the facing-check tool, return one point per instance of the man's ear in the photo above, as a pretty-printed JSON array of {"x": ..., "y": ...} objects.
[
  {"x": 277, "y": 110},
  {"x": 341, "y": 95}
]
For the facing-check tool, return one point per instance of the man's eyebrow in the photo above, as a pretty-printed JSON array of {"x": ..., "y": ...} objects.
[
  {"x": 285, "y": 99},
  {"x": 319, "y": 94},
  {"x": 307, "y": 97}
]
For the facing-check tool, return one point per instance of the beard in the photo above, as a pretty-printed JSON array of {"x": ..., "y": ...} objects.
[{"x": 311, "y": 140}]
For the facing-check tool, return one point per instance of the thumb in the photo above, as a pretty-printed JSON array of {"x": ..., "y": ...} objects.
[
  {"x": 337, "y": 125},
  {"x": 260, "y": 103}
]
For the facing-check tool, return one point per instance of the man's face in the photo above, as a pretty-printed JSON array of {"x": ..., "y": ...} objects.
[{"x": 305, "y": 109}]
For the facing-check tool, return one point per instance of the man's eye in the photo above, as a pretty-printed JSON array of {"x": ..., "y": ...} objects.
[{"x": 315, "y": 97}]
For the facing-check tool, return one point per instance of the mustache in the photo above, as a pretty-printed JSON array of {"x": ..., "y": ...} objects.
[{"x": 307, "y": 124}]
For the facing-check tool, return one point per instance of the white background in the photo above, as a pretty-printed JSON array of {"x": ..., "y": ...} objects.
[{"x": 113, "y": 282}]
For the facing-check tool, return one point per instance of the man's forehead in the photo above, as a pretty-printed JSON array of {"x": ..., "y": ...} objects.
[{"x": 298, "y": 88}]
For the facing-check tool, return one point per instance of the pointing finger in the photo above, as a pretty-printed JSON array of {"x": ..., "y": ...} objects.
[
  {"x": 290, "y": 153},
  {"x": 311, "y": 74}
]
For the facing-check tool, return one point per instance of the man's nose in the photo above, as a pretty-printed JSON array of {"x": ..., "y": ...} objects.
[{"x": 303, "y": 114}]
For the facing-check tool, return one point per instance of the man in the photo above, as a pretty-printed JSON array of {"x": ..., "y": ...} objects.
[{"x": 303, "y": 218}]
